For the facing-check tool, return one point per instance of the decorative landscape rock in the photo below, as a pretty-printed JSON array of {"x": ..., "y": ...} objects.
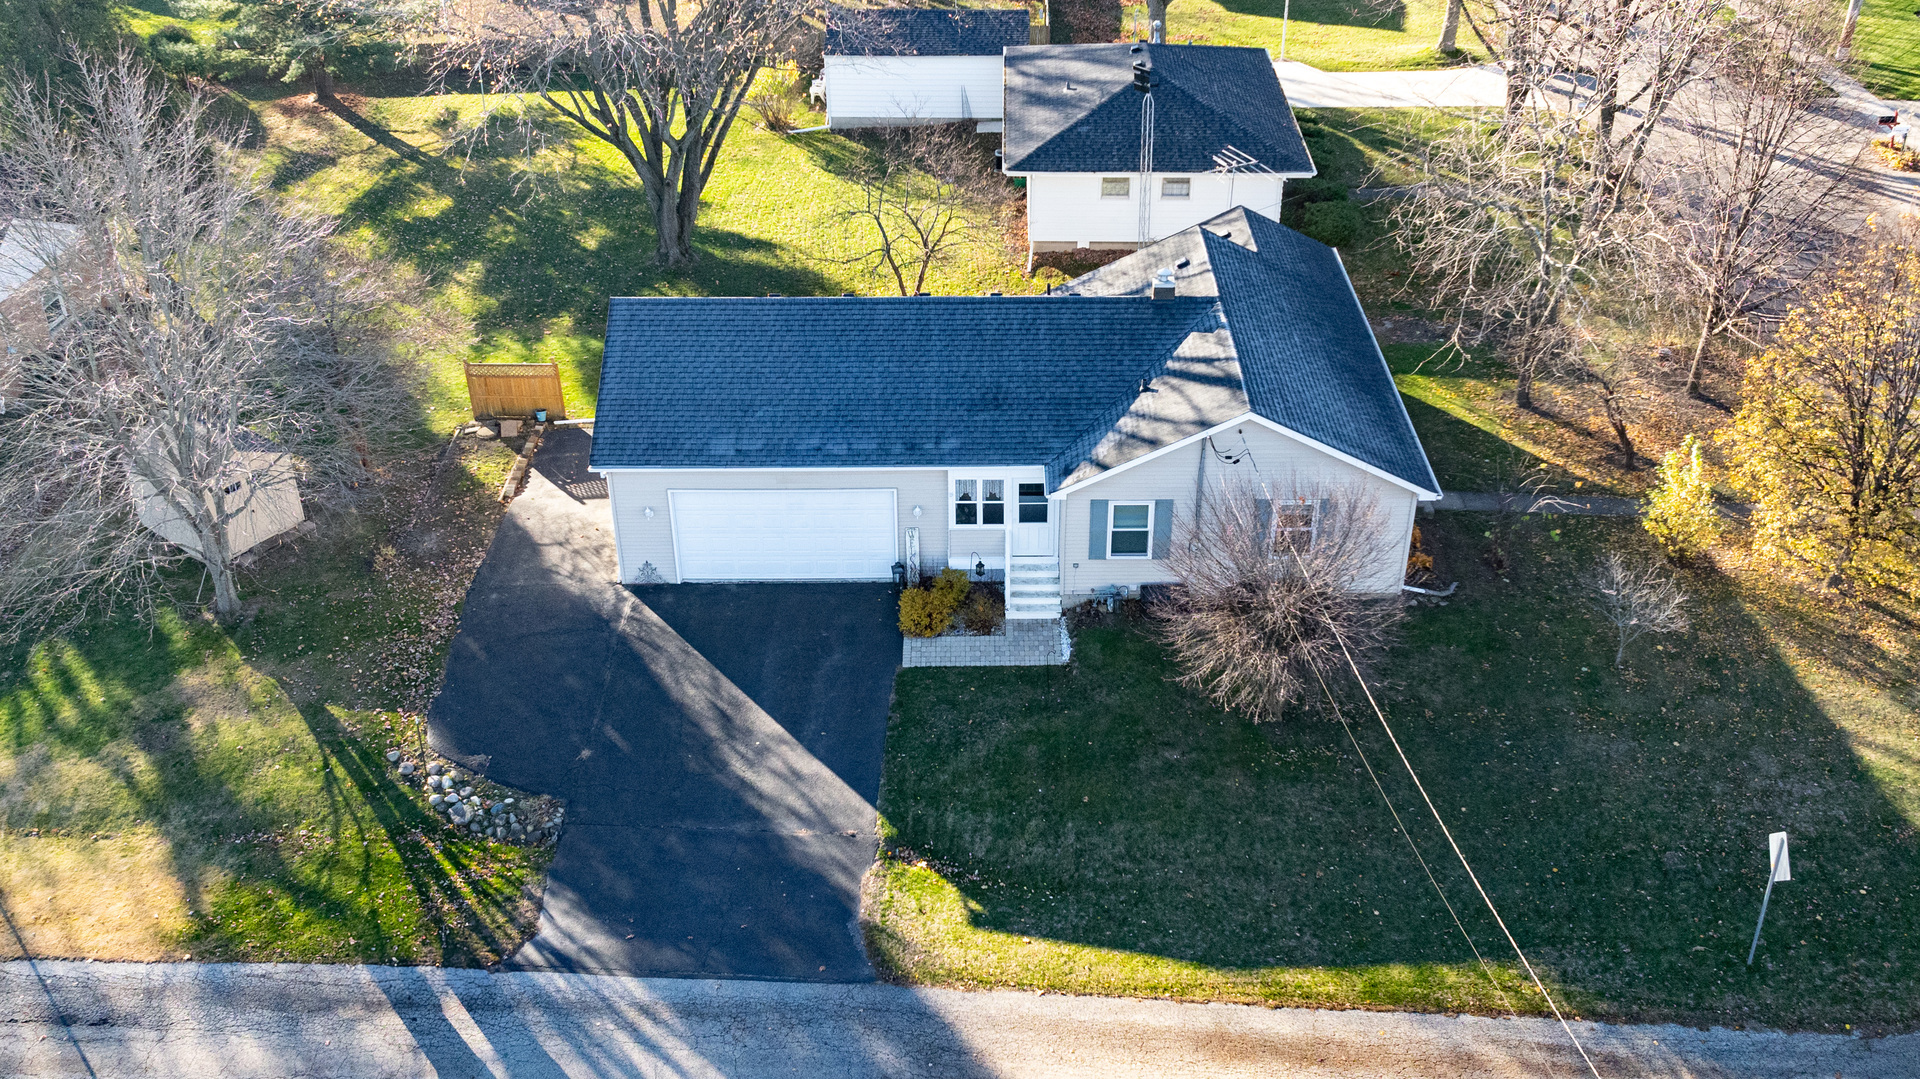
[
  {"x": 406, "y": 769},
  {"x": 393, "y": 755}
]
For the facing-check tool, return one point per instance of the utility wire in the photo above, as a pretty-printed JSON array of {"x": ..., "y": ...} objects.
[
  {"x": 1415, "y": 847},
  {"x": 1444, "y": 830}
]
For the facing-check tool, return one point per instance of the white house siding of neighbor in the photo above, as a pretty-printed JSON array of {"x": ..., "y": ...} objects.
[
  {"x": 883, "y": 67},
  {"x": 1056, "y": 441},
  {"x": 1222, "y": 135}
]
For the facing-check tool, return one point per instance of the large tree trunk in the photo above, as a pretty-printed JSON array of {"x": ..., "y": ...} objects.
[
  {"x": 226, "y": 594},
  {"x": 322, "y": 79},
  {"x": 1449, "y": 29},
  {"x": 1707, "y": 320},
  {"x": 1157, "y": 13}
]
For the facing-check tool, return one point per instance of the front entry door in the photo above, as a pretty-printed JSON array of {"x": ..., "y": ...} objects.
[{"x": 1032, "y": 532}]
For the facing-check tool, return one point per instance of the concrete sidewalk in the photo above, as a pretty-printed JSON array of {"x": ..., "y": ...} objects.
[
  {"x": 242, "y": 1021},
  {"x": 1484, "y": 86}
]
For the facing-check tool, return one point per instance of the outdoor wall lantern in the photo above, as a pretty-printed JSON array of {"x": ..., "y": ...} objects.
[{"x": 979, "y": 566}]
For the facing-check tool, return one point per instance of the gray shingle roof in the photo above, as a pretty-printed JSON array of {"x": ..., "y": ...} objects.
[
  {"x": 1072, "y": 108},
  {"x": 1305, "y": 348},
  {"x": 871, "y": 381},
  {"x": 1264, "y": 322},
  {"x": 924, "y": 31}
]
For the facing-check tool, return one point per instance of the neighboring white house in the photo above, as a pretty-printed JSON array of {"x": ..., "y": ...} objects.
[
  {"x": 260, "y": 500},
  {"x": 891, "y": 66},
  {"x": 1055, "y": 440},
  {"x": 30, "y": 310},
  {"x": 1121, "y": 145}
]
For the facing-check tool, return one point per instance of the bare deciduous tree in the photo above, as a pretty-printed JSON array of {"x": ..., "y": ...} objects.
[
  {"x": 1271, "y": 594},
  {"x": 1516, "y": 221},
  {"x": 661, "y": 81},
  {"x": 1636, "y": 598},
  {"x": 1750, "y": 183},
  {"x": 924, "y": 194},
  {"x": 200, "y": 325}
]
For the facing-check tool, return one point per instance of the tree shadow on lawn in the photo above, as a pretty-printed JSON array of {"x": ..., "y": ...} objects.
[
  {"x": 274, "y": 861},
  {"x": 557, "y": 249},
  {"x": 1618, "y": 818},
  {"x": 1387, "y": 15}
]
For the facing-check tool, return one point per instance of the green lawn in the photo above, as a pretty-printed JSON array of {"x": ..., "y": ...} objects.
[
  {"x": 1097, "y": 829},
  {"x": 1333, "y": 35},
  {"x": 529, "y": 262},
  {"x": 1886, "y": 43},
  {"x": 223, "y": 793}
]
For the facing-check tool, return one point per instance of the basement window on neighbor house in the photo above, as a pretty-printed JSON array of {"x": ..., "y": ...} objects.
[
  {"x": 1176, "y": 187},
  {"x": 1115, "y": 187}
]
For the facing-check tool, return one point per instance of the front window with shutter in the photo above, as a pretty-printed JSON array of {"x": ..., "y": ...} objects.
[
  {"x": 1130, "y": 530},
  {"x": 1293, "y": 525}
]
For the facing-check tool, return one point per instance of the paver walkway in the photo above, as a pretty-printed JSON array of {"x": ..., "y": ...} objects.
[
  {"x": 238, "y": 1022},
  {"x": 1484, "y": 86}
]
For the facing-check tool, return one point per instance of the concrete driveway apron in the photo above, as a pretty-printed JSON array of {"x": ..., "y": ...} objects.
[{"x": 718, "y": 746}]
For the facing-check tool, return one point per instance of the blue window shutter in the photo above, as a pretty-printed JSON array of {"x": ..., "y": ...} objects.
[
  {"x": 1162, "y": 527},
  {"x": 1097, "y": 528},
  {"x": 1263, "y": 529}
]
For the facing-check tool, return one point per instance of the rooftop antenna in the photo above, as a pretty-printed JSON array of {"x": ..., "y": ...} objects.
[{"x": 1143, "y": 82}]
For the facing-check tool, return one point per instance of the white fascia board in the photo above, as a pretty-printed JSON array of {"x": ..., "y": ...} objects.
[
  {"x": 1422, "y": 493},
  {"x": 1426, "y": 496},
  {"x": 965, "y": 469}
]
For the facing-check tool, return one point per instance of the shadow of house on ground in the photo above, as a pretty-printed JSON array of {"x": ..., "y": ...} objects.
[
  {"x": 1373, "y": 14},
  {"x": 718, "y": 747},
  {"x": 1618, "y": 818}
]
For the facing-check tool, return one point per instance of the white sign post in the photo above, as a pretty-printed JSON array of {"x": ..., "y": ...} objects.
[{"x": 1777, "y": 859}]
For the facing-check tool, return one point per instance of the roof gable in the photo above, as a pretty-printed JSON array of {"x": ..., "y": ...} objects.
[
  {"x": 924, "y": 31},
  {"x": 1073, "y": 108}
]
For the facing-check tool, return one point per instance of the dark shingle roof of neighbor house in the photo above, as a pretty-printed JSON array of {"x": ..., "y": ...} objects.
[
  {"x": 1264, "y": 322},
  {"x": 924, "y": 31},
  {"x": 1073, "y": 108}
]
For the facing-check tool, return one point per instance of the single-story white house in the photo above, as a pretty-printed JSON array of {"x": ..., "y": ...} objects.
[
  {"x": 30, "y": 309},
  {"x": 1121, "y": 145},
  {"x": 1056, "y": 439},
  {"x": 891, "y": 66}
]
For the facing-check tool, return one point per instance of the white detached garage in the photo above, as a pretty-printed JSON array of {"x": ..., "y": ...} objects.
[{"x": 885, "y": 67}]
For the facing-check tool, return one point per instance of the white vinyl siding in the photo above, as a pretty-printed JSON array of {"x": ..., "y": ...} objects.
[
  {"x": 642, "y": 539},
  {"x": 865, "y": 91},
  {"x": 1071, "y": 207},
  {"x": 1277, "y": 459}
]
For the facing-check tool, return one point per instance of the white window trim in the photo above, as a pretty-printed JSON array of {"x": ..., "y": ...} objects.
[
  {"x": 1313, "y": 525},
  {"x": 1144, "y": 555},
  {"x": 1165, "y": 180},
  {"x": 1127, "y": 180},
  {"x": 980, "y": 500}
]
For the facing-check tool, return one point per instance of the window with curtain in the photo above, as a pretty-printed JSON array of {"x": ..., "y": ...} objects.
[{"x": 966, "y": 505}]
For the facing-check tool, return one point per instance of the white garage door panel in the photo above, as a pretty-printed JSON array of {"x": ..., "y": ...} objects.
[{"x": 789, "y": 535}]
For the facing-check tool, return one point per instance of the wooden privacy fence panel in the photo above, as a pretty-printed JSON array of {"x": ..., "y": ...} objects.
[{"x": 515, "y": 390}]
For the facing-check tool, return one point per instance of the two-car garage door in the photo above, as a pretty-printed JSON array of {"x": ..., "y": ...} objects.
[{"x": 788, "y": 535}]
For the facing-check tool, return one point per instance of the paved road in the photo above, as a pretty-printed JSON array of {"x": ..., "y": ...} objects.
[
  {"x": 719, "y": 746},
  {"x": 238, "y": 1022},
  {"x": 1482, "y": 86}
]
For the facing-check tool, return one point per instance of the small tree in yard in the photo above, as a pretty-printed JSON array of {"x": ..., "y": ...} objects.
[
  {"x": 1636, "y": 598},
  {"x": 199, "y": 324},
  {"x": 1679, "y": 514},
  {"x": 923, "y": 195},
  {"x": 1266, "y": 605},
  {"x": 660, "y": 81},
  {"x": 1828, "y": 436},
  {"x": 312, "y": 39}
]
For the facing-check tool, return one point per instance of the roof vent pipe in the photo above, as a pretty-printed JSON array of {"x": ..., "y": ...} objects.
[{"x": 1163, "y": 285}]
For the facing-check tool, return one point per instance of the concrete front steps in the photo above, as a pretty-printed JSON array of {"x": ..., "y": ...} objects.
[{"x": 1033, "y": 586}]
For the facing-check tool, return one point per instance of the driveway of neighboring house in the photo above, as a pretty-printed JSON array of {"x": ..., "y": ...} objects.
[{"x": 718, "y": 746}]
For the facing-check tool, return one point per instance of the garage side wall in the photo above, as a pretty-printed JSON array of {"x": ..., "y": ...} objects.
[
  {"x": 640, "y": 539},
  {"x": 1266, "y": 456}
]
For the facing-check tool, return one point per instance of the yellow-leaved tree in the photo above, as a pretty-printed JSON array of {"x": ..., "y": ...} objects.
[
  {"x": 1827, "y": 439},
  {"x": 1679, "y": 513}
]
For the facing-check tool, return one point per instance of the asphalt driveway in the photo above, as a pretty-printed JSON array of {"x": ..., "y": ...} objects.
[{"x": 718, "y": 746}]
